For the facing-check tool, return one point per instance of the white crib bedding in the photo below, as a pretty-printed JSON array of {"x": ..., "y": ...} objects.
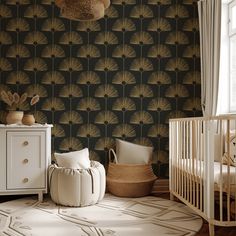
[{"x": 195, "y": 167}]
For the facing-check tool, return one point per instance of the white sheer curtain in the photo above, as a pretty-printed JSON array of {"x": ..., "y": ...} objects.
[
  {"x": 210, "y": 36},
  {"x": 223, "y": 95}
]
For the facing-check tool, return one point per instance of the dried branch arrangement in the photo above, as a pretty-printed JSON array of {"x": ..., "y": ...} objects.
[{"x": 15, "y": 99}]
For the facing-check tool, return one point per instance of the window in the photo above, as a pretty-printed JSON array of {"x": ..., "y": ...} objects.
[{"x": 232, "y": 54}]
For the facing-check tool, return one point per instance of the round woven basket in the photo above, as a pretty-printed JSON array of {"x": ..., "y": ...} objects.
[{"x": 129, "y": 180}]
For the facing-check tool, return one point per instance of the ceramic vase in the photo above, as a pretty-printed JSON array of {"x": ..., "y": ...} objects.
[
  {"x": 14, "y": 117},
  {"x": 28, "y": 119}
]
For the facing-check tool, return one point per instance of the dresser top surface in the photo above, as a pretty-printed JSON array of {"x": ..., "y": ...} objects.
[{"x": 4, "y": 126}]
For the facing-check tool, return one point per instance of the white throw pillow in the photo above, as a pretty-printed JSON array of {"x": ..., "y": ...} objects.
[
  {"x": 131, "y": 153},
  {"x": 74, "y": 160}
]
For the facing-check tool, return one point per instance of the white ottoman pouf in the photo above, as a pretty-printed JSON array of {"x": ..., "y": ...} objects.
[{"x": 77, "y": 187}]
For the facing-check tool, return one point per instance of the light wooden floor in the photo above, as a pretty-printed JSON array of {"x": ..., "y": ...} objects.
[{"x": 219, "y": 231}]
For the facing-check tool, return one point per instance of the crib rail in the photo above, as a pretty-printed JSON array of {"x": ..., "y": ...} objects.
[{"x": 202, "y": 175}]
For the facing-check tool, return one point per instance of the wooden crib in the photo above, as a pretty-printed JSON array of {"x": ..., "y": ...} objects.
[{"x": 202, "y": 171}]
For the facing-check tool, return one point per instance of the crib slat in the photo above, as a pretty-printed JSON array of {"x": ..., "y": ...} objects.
[{"x": 221, "y": 184}]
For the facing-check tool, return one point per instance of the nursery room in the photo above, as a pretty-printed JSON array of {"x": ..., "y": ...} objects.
[{"x": 117, "y": 117}]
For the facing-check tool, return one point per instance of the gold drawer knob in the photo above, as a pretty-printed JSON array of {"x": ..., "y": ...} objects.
[
  {"x": 25, "y": 180},
  {"x": 25, "y": 143},
  {"x": 26, "y": 161}
]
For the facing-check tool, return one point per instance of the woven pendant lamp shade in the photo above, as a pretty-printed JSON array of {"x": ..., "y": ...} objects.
[{"x": 83, "y": 10}]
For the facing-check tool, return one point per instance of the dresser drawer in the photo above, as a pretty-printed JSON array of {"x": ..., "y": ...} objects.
[{"x": 26, "y": 162}]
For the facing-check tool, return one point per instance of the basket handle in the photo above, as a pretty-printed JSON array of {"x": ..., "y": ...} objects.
[{"x": 111, "y": 151}]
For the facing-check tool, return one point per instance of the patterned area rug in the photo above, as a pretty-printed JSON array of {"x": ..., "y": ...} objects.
[{"x": 115, "y": 216}]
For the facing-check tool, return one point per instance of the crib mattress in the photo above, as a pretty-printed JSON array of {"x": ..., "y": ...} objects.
[{"x": 195, "y": 168}]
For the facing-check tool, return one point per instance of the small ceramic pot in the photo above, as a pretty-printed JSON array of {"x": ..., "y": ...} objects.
[
  {"x": 28, "y": 119},
  {"x": 14, "y": 117}
]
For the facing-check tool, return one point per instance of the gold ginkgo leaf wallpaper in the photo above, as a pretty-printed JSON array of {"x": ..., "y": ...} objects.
[{"x": 123, "y": 76}]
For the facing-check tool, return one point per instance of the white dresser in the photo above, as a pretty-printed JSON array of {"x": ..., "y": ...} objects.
[{"x": 25, "y": 154}]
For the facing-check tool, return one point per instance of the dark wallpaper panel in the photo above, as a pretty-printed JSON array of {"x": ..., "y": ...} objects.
[{"x": 122, "y": 77}]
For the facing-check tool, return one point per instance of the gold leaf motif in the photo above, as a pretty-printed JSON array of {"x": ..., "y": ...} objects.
[
  {"x": 88, "y": 51},
  {"x": 177, "y": 90},
  {"x": 53, "y": 104},
  {"x": 159, "y": 51},
  {"x": 177, "y": 11},
  {"x": 162, "y": 157},
  {"x": 123, "y": 131},
  {"x": 174, "y": 115},
  {"x": 70, "y": 144},
  {"x": 18, "y": 77},
  {"x": 177, "y": 64},
  {"x": 106, "y": 90},
  {"x": 106, "y": 38},
  {"x": 18, "y": 51},
  {"x": 58, "y": 131},
  {"x": 123, "y": 78},
  {"x": 159, "y": 25},
  {"x": 177, "y": 37},
  {"x": 71, "y": 90},
  {"x": 53, "y": 77},
  {"x": 93, "y": 156},
  {"x": 88, "y": 26},
  {"x": 123, "y": 2},
  {"x": 40, "y": 117},
  {"x": 143, "y": 141},
  {"x": 5, "y": 11},
  {"x": 70, "y": 38},
  {"x": 106, "y": 117},
  {"x": 124, "y": 104},
  {"x": 141, "y": 11},
  {"x": 159, "y": 104},
  {"x": 141, "y": 64},
  {"x": 52, "y": 51},
  {"x": 35, "y": 38},
  {"x": 124, "y": 24},
  {"x": 192, "y": 104},
  {"x": 106, "y": 64},
  {"x": 111, "y": 12},
  {"x": 3, "y": 115},
  {"x": 88, "y": 104},
  {"x": 71, "y": 117},
  {"x": 192, "y": 51},
  {"x": 159, "y": 77},
  {"x": 17, "y": 25},
  {"x": 141, "y": 38},
  {"x": 5, "y": 38},
  {"x": 34, "y": 11},
  {"x": 158, "y": 130},
  {"x": 38, "y": 89},
  {"x": 5, "y": 65},
  {"x": 191, "y": 24},
  {"x": 159, "y": 2},
  {"x": 192, "y": 77},
  {"x": 53, "y": 25},
  {"x": 104, "y": 144},
  {"x": 124, "y": 51},
  {"x": 88, "y": 77},
  {"x": 70, "y": 64},
  {"x": 35, "y": 64},
  {"x": 141, "y": 90},
  {"x": 88, "y": 130},
  {"x": 141, "y": 117}
]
